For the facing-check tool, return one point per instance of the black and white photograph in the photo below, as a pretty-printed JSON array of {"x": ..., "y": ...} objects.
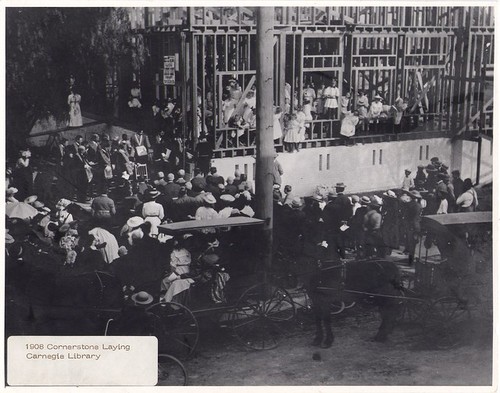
[{"x": 277, "y": 195}]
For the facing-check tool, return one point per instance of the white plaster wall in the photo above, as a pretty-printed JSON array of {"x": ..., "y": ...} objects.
[
  {"x": 469, "y": 161},
  {"x": 352, "y": 165}
]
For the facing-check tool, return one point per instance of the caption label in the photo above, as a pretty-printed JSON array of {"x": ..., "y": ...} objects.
[{"x": 82, "y": 361}]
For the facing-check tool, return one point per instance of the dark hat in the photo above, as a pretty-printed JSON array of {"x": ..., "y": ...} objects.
[
  {"x": 421, "y": 166},
  {"x": 210, "y": 259},
  {"x": 435, "y": 159},
  {"x": 152, "y": 193},
  {"x": 407, "y": 170},
  {"x": 415, "y": 194},
  {"x": 430, "y": 168}
]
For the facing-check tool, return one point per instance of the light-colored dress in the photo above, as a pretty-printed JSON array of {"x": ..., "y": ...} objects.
[
  {"x": 293, "y": 132},
  {"x": 301, "y": 118},
  {"x": 348, "y": 125},
  {"x": 153, "y": 212},
  {"x": 376, "y": 108},
  {"x": 362, "y": 106},
  {"x": 277, "y": 131},
  {"x": 206, "y": 213},
  {"x": 331, "y": 93},
  {"x": 110, "y": 250},
  {"x": 180, "y": 260},
  {"x": 75, "y": 113}
]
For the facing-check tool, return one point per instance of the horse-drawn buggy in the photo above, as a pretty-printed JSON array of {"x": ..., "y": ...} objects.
[
  {"x": 212, "y": 269},
  {"x": 452, "y": 278}
]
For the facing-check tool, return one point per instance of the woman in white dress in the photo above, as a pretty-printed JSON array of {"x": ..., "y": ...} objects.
[
  {"x": 75, "y": 113},
  {"x": 301, "y": 118},
  {"x": 277, "y": 131},
  {"x": 177, "y": 281},
  {"x": 152, "y": 211}
]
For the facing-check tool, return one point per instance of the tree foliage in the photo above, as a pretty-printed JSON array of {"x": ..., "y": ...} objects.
[{"x": 44, "y": 46}]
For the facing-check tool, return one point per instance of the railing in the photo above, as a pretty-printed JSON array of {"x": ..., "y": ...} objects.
[{"x": 325, "y": 130}]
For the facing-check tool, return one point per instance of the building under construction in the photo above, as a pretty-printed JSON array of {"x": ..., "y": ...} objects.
[{"x": 439, "y": 59}]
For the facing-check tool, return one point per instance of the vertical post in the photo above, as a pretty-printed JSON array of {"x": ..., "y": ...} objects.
[
  {"x": 265, "y": 143},
  {"x": 183, "y": 61}
]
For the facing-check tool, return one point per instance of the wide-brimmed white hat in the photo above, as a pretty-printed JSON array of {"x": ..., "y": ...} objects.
[
  {"x": 209, "y": 198},
  {"x": 134, "y": 222}
]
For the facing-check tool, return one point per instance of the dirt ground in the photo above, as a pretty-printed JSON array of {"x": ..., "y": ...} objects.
[{"x": 408, "y": 358}]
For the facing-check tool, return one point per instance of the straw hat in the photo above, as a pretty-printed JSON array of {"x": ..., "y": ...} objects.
[
  {"x": 134, "y": 222},
  {"x": 227, "y": 198},
  {"x": 142, "y": 298},
  {"x": 209, "y": 198}
]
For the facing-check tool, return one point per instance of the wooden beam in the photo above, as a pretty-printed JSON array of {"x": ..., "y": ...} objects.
[{"x": 474, "y": 117}]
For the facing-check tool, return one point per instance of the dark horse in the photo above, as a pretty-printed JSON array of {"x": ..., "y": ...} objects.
[
  {"x": 73, "y": 304},
  {"x": 373, "y": 279}
]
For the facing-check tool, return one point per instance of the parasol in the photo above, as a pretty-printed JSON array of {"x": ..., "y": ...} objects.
[{"x": 20, "y": 210}]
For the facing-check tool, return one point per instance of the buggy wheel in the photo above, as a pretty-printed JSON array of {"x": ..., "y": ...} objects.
[
  {"x": 445, "y": 322},
  {"x": 415, "y": 309},
  {"x": 171, "y": 372},
  {"x": 176, "y": 328},
  {"x": 260, "y": 316}
]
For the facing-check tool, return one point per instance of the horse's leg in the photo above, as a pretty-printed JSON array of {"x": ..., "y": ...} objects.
[
  {"x": 388, "y": 312},
  {"x": 327, "y": 320},
  {"x": 318, "y": 337}
]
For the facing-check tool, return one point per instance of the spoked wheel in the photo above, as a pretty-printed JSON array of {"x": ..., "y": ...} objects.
[
  {"x": 445, "y": 322},
  {"x": 261, "y": 314},
  {"x": 176, "y": 328},
  {"x": 171, "y": 371},
  {"x": 414, "y": 308}
]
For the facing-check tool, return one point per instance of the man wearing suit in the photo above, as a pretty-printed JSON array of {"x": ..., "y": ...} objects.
[{"x": 139, "y": 139}]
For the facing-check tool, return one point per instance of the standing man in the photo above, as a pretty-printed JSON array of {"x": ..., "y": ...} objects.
[
  {"x": 408, "y": 182},
  {"x": 203, "y": 153},
  {"x": 141, "y": 145},
  {"x": 413, "y": 214},
  {"x": 103, "y": 209}
]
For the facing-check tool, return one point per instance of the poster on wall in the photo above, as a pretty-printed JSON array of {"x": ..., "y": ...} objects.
[{"x": 169, "y": 70}]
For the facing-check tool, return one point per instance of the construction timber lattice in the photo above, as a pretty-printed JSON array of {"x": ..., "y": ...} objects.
[{"x": 439, "y": 58}]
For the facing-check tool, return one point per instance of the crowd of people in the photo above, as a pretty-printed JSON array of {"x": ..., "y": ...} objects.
[
  {"x": 103, "y": 212},
  {"x": 370, "y": 225}
]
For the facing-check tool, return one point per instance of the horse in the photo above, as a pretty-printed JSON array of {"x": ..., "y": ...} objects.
[
  {"x": 73, "y": 303},
  {"x": 375, "y": 279}
]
